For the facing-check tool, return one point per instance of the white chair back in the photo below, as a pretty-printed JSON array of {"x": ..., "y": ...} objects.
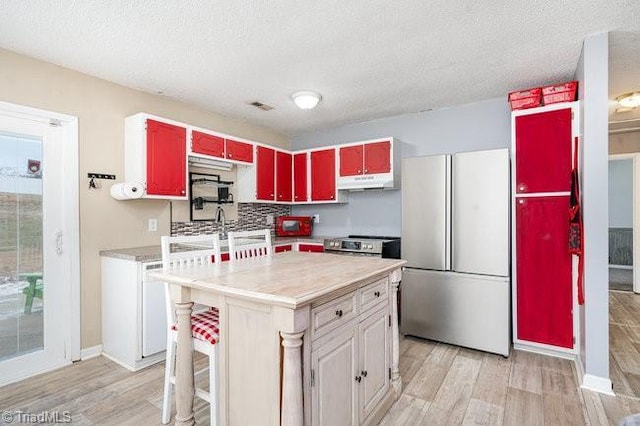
[
  {"x": 248, "y": 244},
  {"x": 184, "y": 252}
]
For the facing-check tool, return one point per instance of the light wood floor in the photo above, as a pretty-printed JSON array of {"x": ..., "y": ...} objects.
[{"x": 443, "y": 385}]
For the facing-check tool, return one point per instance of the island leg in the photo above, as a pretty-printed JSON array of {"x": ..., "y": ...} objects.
[
  {"x": 184, "y": 366},
  {"x": 396, "y": 380},
  {"x": 292, "y": 409}
]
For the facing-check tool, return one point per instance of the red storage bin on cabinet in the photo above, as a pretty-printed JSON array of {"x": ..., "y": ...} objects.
[
  {"x": 523, "y": 99},
  {"x": 565, "y": 92}
]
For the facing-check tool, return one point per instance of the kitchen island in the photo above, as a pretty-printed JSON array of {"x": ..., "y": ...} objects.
[{"x": 305, "y": 338}]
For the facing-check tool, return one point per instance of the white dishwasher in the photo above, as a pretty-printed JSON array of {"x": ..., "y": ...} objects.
[
  {"x": 154, "y": 313},
  {"x": 134, "y": 324}
]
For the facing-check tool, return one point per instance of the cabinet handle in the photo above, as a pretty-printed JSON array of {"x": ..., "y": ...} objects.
[
  {"x": 377, "y": 294},
  {"x": 339, "y": 313},
  {"x": 364, "y": 373},
  {"x": 230, "y": 155},
  {"x": 366, "y": 170},
  {"x": 358, "y": 379}
]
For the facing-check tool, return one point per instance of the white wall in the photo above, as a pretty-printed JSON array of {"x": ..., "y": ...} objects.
[
  {"x": 593, "y": 76},
  {"x": 470, "y": 127},
  {"x": 621, "y": 193}
]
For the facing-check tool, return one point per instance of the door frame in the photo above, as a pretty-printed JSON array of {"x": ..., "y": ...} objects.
[
  {"x": 70, "y": 202},
  {"x": 635, "y": 184}
]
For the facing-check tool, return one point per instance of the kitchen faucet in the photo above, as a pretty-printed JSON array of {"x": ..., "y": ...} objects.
[{"x": 220, "y": 218}]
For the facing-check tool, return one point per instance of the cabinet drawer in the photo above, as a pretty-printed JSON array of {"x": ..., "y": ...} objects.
[
  {"x": 332, "y": 314},
  {"x": 373, "y": 294}
]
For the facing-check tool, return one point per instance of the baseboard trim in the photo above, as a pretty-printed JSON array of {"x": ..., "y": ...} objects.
[
  {"x": 597, "y": 384},
  {"x": 541, "y": 349},
  {"x": 92, "y": 352}
]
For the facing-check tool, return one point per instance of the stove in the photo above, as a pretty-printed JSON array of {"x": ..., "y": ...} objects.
[{"x": 364, "y": 245}]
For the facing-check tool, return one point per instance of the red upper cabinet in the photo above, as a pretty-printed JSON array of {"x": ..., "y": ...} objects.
[
  {"x": 300, "y": 176},
  {"x": 543, "y": 271},
  {"x": 323, "y": 175},
  {"x": 351, "y": 158},
  {"x": 207, "y": 144},
  {"x": 239, "y": 151},
  {"x": 265, "y": 173},
  {"x": 367, "y": 158},
  {"x": 284, "y": 190},
  {"x": 377, "y": 157},
  {"x": 166, "y": 165},
  {"x": 543, "y": 151}
]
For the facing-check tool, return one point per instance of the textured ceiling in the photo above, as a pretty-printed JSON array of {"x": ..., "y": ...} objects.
[{"x": 368, "y": 58}]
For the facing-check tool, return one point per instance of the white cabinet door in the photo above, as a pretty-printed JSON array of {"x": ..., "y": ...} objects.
[
  {"x": 374, "y": 360},
  {"x": 334, "y": 388}
]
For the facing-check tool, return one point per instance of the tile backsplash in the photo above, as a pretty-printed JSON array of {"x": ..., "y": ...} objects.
[{"x": 251, "y": 216}]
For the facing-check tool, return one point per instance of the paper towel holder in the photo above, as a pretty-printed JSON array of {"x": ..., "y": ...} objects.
[{"x": 92, "y": 176}]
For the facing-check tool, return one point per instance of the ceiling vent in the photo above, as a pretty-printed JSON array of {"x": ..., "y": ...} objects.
[{"x": 261, "y": 106}]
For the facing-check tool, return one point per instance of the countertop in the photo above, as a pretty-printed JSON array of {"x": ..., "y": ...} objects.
[
  {"x": 154, "y": 253},
  {"x": 290, "y": 279}
]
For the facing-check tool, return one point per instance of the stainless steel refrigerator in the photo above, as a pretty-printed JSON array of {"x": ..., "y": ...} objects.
[{"x": 455, "y": 237}]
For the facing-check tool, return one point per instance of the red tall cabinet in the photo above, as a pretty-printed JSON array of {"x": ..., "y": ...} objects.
[{"x": 544, "y": 301}]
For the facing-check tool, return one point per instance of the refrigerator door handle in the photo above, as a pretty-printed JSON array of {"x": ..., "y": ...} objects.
[{"x": 448, "y": 212}]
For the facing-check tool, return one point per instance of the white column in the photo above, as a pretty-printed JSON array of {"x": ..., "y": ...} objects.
[
  {"x": 396, "y": 380},
  {"x": 292, "y": 409},
  {"x": 184, "y": 367}
]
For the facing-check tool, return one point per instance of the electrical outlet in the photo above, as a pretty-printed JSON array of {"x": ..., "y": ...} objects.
[
  {"x": 153, "y": 225},
  {"x": 316, "y": 218},
  {"x": 269, "y": 219}
]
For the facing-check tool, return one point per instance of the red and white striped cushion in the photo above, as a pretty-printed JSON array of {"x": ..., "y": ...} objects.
[{"x": 204, "y": 326}]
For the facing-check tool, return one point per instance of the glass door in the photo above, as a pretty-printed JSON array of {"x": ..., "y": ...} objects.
[
  {"x": 22, "y": 276},
  {"x": 35, "y": 300}
]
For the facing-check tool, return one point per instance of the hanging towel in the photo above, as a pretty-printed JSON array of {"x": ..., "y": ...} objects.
[{"x": 576, "y": 232}]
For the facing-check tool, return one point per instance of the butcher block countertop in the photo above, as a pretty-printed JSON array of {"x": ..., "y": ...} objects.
[{"x": 290, "y": 279}]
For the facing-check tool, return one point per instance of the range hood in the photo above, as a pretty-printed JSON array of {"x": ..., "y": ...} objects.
[
  {"x": 209, "y": 163},
  {"x": 362, "y": 182}
]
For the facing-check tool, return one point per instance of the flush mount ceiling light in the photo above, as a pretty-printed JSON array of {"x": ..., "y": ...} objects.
[
  {"x": 306, "y": 99},
  {"x": 629, "y": 100}
]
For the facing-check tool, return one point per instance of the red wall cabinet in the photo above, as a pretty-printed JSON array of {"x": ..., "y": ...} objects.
[
  {"x": 166, "y": 155},
  {"x": 323, "y": 175},
  {"x": 315, "y": 248},
  {"x": 544, "y": 294},
  {"x": 265, "y": 173},
  {"x": 284, "y": 176},
  {"x": 156, "y": 155},
  {"x": 239, "y": 151},
  {"x": 207, "y": 144},
  {"x": 300, "y": 176},
  {"x": 543, "y": 151},
  {"x": 220, "y": 147},
  {"x": 367, "y": 158},
  {"x": 351, "y": 160},
  {"x": 377, "y": 157}
]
